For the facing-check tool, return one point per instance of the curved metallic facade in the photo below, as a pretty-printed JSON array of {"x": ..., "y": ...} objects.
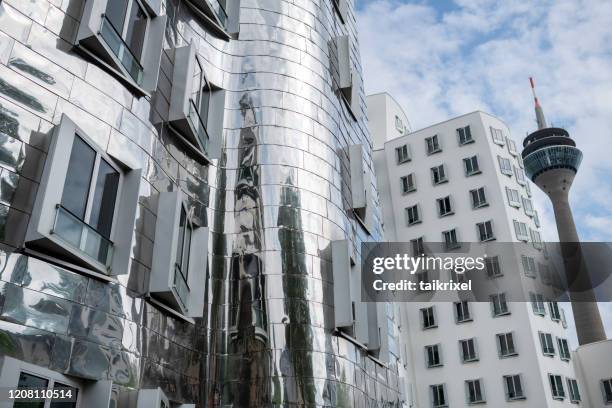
[{"x": 273, "y": 202}]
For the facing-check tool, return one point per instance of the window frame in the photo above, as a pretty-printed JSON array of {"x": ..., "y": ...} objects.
[
  {"x": 514, "y": 378},
  {"x": 493, "y": 261},
  {"x": 451, "y": 243},
  {"x": 606, "y": 389},
  {"x": 411, "y": 187},
  {"x": 474, "y": 169},
  {"x": 465, "y": 311},
  {"x": 466, "y": 140},
  {"x": 529, "y": 210},
  {"x": 557, "y": 390},
  {"x": 402, "y": 154},
  {"x": 431, "y": 312},
  {"x": 511, "y": 145},
  {"x": 506, "y": 170},
  {"x": 520, "y": 175},
  {"x": 520, "y": 230},
  {"x": 476, "y": 192},
  {"x": 469, "y": 343},
  {"x": 497, "y": 136},
  {"x": 473, "y": 382},
  {"x": 487, "y": 228},
  {"x": 529, "y": 266},
  {"x": 564, "y": 350},
  {"x": 448, "y": 206},
  {"x": 433, "y": 145},
  {"x": 547, "y": 344},
  {"x": 514, "y": 197},
  {"x": 410, "y": 214},
  {"x": 500, "y": 347},
  {"x": 499, "y": 299},
  {"x": 536, "y": 300},
  {"x": 434, "y": 348},
  {"x": 439, "y": 389},
  {"x": 440, "y": 171},
  {"x": 573, "y": 390}
]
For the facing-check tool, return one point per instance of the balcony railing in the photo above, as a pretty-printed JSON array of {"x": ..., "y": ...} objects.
[
  {"x": 115, "y": 42},
  {"x": 180, "y": 286},
  {"x": 198, "y": 125},
  {"x": 82, "y": 237},
  {"x": 552, "y": 157}
]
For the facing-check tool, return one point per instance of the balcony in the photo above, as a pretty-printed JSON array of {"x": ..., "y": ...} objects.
[
  {"x": 552, "y": 157},
  {"x": 82, "y": 237},
  {"x": 115, "y": 42}
]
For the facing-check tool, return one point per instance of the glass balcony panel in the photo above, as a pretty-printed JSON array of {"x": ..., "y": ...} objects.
[
  {"x": 120, "y": 49},
  {"x": 180, "y": 286},
  {"x": 82, "y": 237}
]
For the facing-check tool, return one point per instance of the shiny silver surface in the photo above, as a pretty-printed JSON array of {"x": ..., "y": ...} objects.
[{"x": 273, "y": 202}]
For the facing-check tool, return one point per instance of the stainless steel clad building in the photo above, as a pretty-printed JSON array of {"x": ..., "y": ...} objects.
[{"x": 182, "y": 182}]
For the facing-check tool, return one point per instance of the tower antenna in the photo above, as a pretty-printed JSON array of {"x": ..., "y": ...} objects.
[{"x": 538, "y": 108}]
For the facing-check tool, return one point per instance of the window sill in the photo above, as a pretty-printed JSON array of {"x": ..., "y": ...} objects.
[
  {"x": 488, "y": 239},
  {"x": 473, "y": 173},
  {"x": 434, "y": 152},
  {"x": 467, "y": 142},
  {"x": 516, "y": 399},
  {"x": 464, "y": 321},
  {"x": 483, "y": 205},
  {"x": 477, "y": 402},
  {"x": 430, "y": 327},
  {"x": 435, "y": 365},
  {"x": 410, "y": 224},
  {"x": 409, "y": 191},
  {"x": 509, "y": 355},
  {"x": 474, "y": 360},
  {"x": 404, "y": 161},
  {"x": 502, "y": 314},
  {"x": 446, "y": 214},
  {"x": 440, "y": 182}
]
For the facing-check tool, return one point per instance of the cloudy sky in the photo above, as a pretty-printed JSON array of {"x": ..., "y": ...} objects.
[{"x": 443, "y": 58}]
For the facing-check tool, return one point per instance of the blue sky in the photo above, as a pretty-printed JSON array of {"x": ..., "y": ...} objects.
[{"x": 443, "y": 58}]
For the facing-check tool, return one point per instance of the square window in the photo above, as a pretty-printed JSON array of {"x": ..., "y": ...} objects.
[
  {"x": 450, "y": 239},
  {"x": 493, "y": 267},
  {"x": 433, "y": 356},
  {"x": 478, "y": 197},
  {"x": 464, "y": 135},
  {"x": 402, "y": 154},
  {"x": 438, "y": 174},
  {"x": 564, "y": 351},
  {"x": 485, "y": 231},
  {"x": 498, "y": 136},
  {"x": 499, "y": 305},
  {"x": 462, "y": 311},
  {"x": 555, "y": 312},
  {"x": 520, "y": 229},
  {"x": 513, "y": 196},
  {"x": 468, "y": 350},
  {"x": 408, "y": 183},
  {"x": 433, "y": 144},
  {"x": 520, "y": 175},
  {"x": 412, "y": 215},
  {"x": 528, "y": 206},
  {"x": 504, "y": 165},
  {"x": 536, "y": 239},
  {"x": 471, "y": 167},
  {"x": 444, "y": 206},
  {"x": 505, "y": 345}
]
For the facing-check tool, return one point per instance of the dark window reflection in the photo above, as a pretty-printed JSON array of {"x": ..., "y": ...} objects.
[
  {"x": 78, "y": 178},
  {"x": 33, "y": 382},
  {"x": 105, "y": 194}
]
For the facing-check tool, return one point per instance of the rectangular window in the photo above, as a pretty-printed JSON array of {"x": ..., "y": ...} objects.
[
  {"x": 474, "y": 391},
  {"x": 546, "y": 341},
  {"x": 438, "y": 174},
  {"x": 402, "y": 154},
  {"x": 412, "y": 214},
  {"x": 606, "y": 386},
  {"x": 504, "y": 165},
  {"x": 574, "y": 392},
  {"x": 520, "y": 229},
  {"x": 462, "y": 311},
  {"x": 465, "y": 135},
  {"x": 438, "y": 396},
  {"x": 450, "y": 239},
  {"x": 418, "y": 248},
  {"x": 499, "y": 305},
  {"x": 520, "y": 175},
  {"x": 537, "y": 303},
  {"x": 511, "y": 146},
  {"x": 468, "y": 350},
  {"x": 470, "y": 164},
  {"x": 527, "y": 206},
  {"x": 536, "y": 239},
  {"x": 433, "y": 144},
  {"x": 479, "y": 198},
  {"x": 514, "y": 199},
  {"x": 408, "y": 183},
  {"x": 555, "y": 313},
  {"x": 30, "y": 381},
  {"x": 556, "y": 386},
  {"x": 428, "y": 318},
  {"x": 536, "y": 219},
  {"x": 528, "y": 189},
  {"x": 505, "y": 344},
  {"x": 433, "y": 356},
  {"x": 529, "y": 266},
  {"x": 492, "y": 267},
  {"x": 444, "y": 206},
  {"x": 514, "y": 388},
  {"x": 564, "y": 351},
  {"x": 498, "y": 136},
  {"x": 485, "y": 231}
]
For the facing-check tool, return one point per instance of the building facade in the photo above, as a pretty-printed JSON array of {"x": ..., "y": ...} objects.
[
  {"x": 462, "y": 180},
  {"x": 182, "y": 182}
]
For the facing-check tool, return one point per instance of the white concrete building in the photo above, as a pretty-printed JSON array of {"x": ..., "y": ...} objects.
[{"x": 463, "y": 180}]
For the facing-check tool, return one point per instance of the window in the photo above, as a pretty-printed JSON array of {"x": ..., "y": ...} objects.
[
  {"x": 606, "y": 386},
  {"x": 485, "y": 231},
  {"x": 462, "y": 311},
  {"x": 574, "y": 392},
  {"x": 537, "y": 303},
  {"x": 498, "y": 136},
  {"x": 556, "y": 386},
  {"x": 444, "y": 206},
  {"x": 470, "y": 165},
  {"x": 127, "y": 37},
  {"x": 412, "y": 214},
  {"x": 438, "y": 396},
  {"x": 514, "y": 388},
  {"x": 341, "y": 7},
  {"x": 402, "y": 154},
  {"x": 529, "y": 266},
  {"x": 468, "y": 350},
  {"x": 179, "y": 251},
  {"x": 438, "y": 174},
  {"x": 499, "y": 305},
  {"x": 450, "y": 239},
  {"x": 196, "y": 106},
  {"x": 520, "y": 229},
  {"x": 432, "y": 144},
  {"x": 564, "y": 351},
  {"x": 361, "y": 187},
  {"x": 520, "y": 175},
  {"x": 504, "y": 166},
  {"x": 548, "y": 347},
  {"x": 505, "y": 344},
  {"x": 535, "y": 239},
  {"x": 433, "y": 356},
  {"x": 555, "y": 313},
  {"x": 492, "y": 267},
  {"x": 342, "y": 73},
  {"x": 85, "y": 207},
  {"x": 465, "y": 135},
  {"x": 527, "y": 206},
  {"x": 408, "y": 183},
  {"x": 399, "y": 124},
  {"x": 474, "y": 391},
  {"x": 418, "y": 247},
  {"x": 536, "y": 219},
  {"x": 428, "y": 318},
  {"x": 511, "y": 146},
  {"x": 514, "y": 199},
  {"x": 479, "y": 198}
]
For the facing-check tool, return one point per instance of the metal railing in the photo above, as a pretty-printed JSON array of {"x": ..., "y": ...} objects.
[
  {"x": 116, "y": 43},
  {"x": 82, "y": 237}
]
